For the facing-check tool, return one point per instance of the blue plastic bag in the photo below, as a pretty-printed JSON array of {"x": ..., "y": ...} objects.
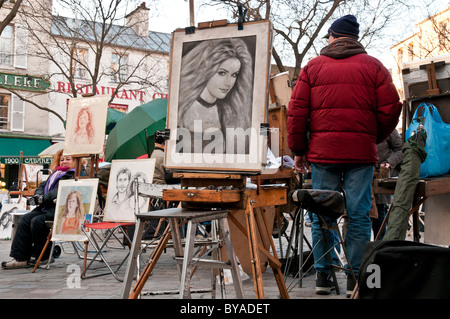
[{"x": 437, "y": 146}]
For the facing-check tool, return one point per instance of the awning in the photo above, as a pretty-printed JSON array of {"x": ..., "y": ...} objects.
[{"x": 11, "y": 146}]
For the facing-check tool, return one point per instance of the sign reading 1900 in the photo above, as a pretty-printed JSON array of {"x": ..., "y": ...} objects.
[
  {"x": 23, "y": 82},
  {"x": 25, "y": 160}
]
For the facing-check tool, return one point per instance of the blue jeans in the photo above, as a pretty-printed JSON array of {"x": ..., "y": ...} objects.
[{"x": 357, "y": 183}]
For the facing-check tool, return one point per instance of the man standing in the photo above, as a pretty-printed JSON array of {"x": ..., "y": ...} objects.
[
  {"x": 343, "y": 104},
  {"x": 161, "y": 175}
]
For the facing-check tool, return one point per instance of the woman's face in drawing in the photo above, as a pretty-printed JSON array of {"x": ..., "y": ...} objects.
[
  {"x": 65, "y": 161},
  {"x": 72, "y": 203},
  {"x": 83, "y": 119},
  {"x": 224, "y": 79}
]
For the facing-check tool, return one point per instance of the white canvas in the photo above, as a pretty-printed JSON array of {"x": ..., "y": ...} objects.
[{"x": 121, "y": 202}]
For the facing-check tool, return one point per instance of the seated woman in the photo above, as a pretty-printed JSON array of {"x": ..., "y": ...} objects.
[{"x": 31, "y": 233}]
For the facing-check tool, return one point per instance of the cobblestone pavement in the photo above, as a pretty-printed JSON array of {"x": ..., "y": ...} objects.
[{"x": 62, "y": 280}]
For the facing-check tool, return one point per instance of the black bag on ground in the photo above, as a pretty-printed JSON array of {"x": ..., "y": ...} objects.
[{"x": 404, "y": 270}]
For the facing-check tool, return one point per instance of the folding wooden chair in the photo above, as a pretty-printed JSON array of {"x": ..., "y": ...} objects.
[{"x": 49, "y": 225}]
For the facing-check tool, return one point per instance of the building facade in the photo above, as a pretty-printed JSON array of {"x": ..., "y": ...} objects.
[
  {"x": 431, "y": 39},
  {"x": 45, "y": 60}
]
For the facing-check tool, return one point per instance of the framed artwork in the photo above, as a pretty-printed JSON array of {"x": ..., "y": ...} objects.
[
  {"x": 218, "y": 98},
  {"x": 122, "y": 202},
  {"x": 33, "y": 177},
  {"x": 86, "y": 125},
  {"x": 6, "y": 218},
  {"x": 75, "y": 204}
]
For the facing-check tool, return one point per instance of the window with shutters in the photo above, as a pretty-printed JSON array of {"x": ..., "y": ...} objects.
[
  {"x": 79, "y": 60},
  {"x": 6, "y": 46},
  {"x": 20, "y": 47},
  {"x": 119, "y": 67},
  {"x": 17, "y": 114},
  {"x": 4, "y": 111}
]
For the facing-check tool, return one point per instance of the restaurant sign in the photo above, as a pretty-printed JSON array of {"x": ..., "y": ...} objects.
[{"x": 23, "y": 82}]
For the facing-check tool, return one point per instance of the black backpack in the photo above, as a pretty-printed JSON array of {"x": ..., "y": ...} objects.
[{"x": 399, "y": 269}]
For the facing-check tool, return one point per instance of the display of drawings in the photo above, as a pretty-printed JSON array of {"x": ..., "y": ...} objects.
[
  {"x": 6, "y": 218},
  {"x": 218, "y": 98},
  {"x": 85, "y": 128},
  {"x": 75, "y": 206},
  {"x": 122, "y": 202}
]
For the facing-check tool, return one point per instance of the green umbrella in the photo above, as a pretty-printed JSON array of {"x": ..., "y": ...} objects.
[
  {"x": 128, "y": 139},
  {"x": 112, "y": 117}
]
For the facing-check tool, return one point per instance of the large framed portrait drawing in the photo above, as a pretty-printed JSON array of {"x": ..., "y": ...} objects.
[
  {"x": 86, "y": 124},
  {"x": 218, "y": 98},
  {"x": 122, "y": 202},
  {"x": 75, "y": 204}
]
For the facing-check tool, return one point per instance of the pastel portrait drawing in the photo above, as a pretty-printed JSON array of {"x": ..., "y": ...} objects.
[{"x": 84, "y": 129}]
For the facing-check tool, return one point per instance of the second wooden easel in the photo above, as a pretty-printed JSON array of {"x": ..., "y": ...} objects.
[{"x": 227, "y": 191}]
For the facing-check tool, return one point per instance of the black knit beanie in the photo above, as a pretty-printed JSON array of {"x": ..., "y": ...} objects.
[{"x": 347, "y": 26}]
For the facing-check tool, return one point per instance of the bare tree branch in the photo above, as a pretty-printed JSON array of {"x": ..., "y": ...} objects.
[{"x": 11, "y": 15}]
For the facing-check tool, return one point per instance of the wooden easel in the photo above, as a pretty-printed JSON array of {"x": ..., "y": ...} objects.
[
  {"x": 92, "y": 169},
  {"x": 238, "y": 200},
  {"x": 27, "y": 191}
]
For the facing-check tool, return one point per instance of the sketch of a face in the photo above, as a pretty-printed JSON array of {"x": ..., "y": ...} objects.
[
  {"x": 220, "y": 84},
  {"x": 83, "y": 119},
  {"x": 122, "y": 182}
]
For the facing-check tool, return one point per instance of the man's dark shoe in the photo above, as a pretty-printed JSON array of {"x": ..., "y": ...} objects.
[
  {"x": 351, "y": 283},
  {"x": 324, "y": 284}
]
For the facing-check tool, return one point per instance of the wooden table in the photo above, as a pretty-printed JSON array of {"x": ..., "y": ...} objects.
[{"x": 426, "y": 188}]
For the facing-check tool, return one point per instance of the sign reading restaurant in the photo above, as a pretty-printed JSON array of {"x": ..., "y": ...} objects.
[
  {"x": 23, "y": 82},
  {"x": 137, "y": 95}
]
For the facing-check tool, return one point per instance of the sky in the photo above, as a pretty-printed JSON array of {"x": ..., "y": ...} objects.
[
  {"x": 169, "y": 15},
  {"x": 173, "y": 14}
]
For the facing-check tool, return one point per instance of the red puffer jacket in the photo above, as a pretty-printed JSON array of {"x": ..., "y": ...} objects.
[{"x": 343, "y": 104}]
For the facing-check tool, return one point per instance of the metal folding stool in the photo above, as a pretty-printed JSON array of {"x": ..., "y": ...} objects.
[
  {"x": 185, "y": 257},
  {"x": 112, "y": 228},
  {"x": 329, "y": 204}
]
